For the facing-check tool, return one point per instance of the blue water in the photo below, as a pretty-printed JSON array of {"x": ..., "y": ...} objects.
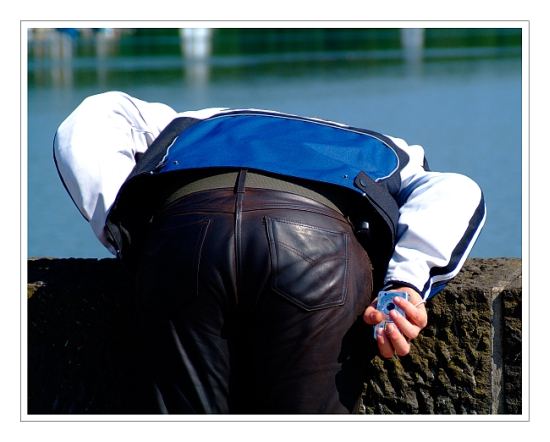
[{"x": 465, "y": 112}]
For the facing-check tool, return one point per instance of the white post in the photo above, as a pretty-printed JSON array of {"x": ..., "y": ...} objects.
[
  {"x": 196, "y": 42},
  {"x": 412, "y": 42}
]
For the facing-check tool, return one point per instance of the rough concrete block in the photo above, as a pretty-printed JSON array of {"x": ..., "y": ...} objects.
[{"x": 467, "y": 361}]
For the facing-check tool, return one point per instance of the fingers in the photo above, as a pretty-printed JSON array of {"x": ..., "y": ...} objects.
[
  {"x": 407, "y": 328},
  {"x": 414, "y": 313},
  {"x": 384, "y": 346},
  {"x": 394, "y": 340},
  {"x": 391, "y": 341},
  {"x": 372, "y": 316}
]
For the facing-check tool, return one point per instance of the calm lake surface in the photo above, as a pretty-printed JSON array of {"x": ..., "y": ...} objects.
[{"x": 462, "y": 106}]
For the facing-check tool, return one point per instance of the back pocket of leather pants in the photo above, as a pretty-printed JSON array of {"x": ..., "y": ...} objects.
[{"x": 309, "y": 263}]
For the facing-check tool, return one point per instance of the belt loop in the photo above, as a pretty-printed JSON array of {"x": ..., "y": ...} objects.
[{"x": 241, "y": 181}]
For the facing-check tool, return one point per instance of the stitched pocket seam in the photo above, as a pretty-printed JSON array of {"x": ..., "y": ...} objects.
[{"x": 274, "y": 252}]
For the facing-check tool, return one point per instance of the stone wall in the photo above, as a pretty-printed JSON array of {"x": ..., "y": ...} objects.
[{"x": 467, "y": 361}]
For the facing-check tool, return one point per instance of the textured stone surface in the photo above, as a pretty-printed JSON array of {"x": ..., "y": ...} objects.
[
  {"x": 512, "y": 349},
  {"x": 79, "y": 342},
  {"x": 468, "y": 360}
]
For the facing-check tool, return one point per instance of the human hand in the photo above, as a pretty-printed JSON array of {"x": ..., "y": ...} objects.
[{"x": 395, "y": 339}]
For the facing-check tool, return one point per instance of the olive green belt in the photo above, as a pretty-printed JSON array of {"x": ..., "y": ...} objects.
[{"x": 253, "y": 180}]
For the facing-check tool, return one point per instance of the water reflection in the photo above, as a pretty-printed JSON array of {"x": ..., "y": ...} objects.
[
  {"x": 412, "y": 42},
  {"x": 53, "y": 51},
  {"x": 56, "y": 56}
]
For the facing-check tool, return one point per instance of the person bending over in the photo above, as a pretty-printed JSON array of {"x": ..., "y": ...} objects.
[{"x": 259, "y": 241}]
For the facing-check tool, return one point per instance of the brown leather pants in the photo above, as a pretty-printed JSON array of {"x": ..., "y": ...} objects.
[{"x": 251, "y": 302}]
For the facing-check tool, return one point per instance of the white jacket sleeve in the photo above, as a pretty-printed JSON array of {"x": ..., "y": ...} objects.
[
  {"x": 440, "y": 218},
  {"x": 95, "y": 149}
]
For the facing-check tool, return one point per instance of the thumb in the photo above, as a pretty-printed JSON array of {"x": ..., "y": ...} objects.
[{"x": 372, "y": 316}]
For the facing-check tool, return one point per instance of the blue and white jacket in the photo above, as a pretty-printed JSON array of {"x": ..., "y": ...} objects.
[{"x": 114, "y": 149}]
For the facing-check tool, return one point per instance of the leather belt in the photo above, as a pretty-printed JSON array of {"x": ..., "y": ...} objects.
[{"x": 253, "y": 180}]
